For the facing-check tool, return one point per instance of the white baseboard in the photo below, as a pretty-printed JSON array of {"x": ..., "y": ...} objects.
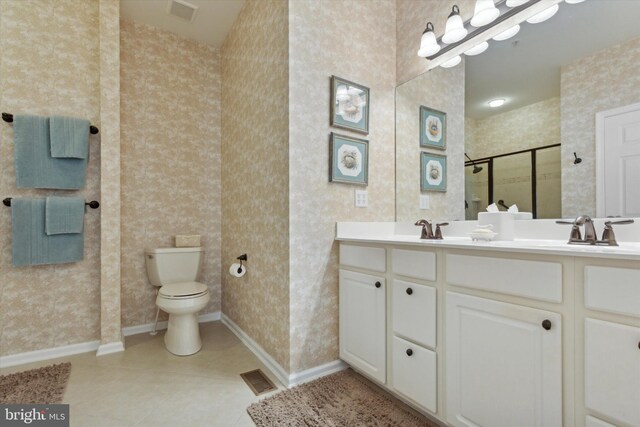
[
  {"x": 48, "y": 353},
  {"x": 258, "y": 351},
  {"x": 288, "y": 380},
  {"x": 112, "y": 347},
  {"x": 148, "y": 327}
]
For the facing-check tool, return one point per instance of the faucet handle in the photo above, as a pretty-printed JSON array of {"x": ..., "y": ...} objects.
[
  {"x": 561, "y": 221},
  {"x": 438, "y": 233},
  {"x": 575, "y": 230},
  {"x": 608, "y": 236},
  {"x": 621, "y": 222}
]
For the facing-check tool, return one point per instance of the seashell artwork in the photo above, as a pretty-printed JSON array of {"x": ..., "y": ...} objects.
[
  {"x": 432, "y": 128},
  {"x": 349, "y": 105}
]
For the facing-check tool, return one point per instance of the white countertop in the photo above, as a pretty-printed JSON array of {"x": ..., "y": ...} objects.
[{"x": 456, "y": 237}]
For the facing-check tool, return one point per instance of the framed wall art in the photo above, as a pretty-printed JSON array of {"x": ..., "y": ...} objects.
[
  {"x": 349, "y": 159},
  {"x": 349, "y": 105},
  {"x": 433, "y": 128},
  {"x": 433, "y": 172}
]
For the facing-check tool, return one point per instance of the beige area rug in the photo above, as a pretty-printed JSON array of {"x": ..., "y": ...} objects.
[
  {"x": 342, "y": 399},
  {"x": 42, "y": 385}
]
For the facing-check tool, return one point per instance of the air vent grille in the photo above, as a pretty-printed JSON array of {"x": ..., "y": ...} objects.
[{"x": 182, "y": 10}]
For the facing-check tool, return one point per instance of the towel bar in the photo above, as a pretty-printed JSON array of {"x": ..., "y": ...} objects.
[
  {"x": 94, "y": 204},
  {"x": 8, "y": 117}
]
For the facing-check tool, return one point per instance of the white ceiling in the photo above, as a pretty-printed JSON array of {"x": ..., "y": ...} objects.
[
  {"x": 526, "y": 68},
  {"x": 212, "y": 22}
]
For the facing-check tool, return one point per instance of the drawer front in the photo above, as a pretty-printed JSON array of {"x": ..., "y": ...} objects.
[
  {"x": 414, "y": 312},
  {"x": 415, "y": 375},
  {"x": 369, "y": 258},
  {"x": 612, "y": 370},
  {"x": 614, "y": 290},
  {"x": 531, "y": 279},
  {"x": 416, "y": 264},
  {"x": 595, "y": 422}
]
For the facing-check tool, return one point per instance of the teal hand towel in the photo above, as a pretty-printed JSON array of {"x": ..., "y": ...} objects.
[
  {"x": 30, "y": 243},
  {"x": 69, "y": 137},
  {"x": 35, "y": 168},
  {"x": 64, "y": 215}
]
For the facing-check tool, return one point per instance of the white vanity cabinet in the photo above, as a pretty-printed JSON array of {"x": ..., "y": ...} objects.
[{"x": 504, "y": 364}]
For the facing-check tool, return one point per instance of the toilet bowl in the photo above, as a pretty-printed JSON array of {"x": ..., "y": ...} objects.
[{"x": 174, "y": 271}]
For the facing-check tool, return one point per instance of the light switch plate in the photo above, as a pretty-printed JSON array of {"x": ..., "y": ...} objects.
[
  {"x": 362, "y": 198},
  {"x": 424, "y": 201}
]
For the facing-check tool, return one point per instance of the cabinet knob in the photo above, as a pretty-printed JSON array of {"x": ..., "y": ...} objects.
[
  {"x": 378, "y": 284},
  {"x": 546, "y": 324},
  {"x": 409, "y": 291},
  {"x": 409, "y": 352}
]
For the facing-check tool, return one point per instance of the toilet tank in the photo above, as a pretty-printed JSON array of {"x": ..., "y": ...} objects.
[{"x": 172, "y": 265}]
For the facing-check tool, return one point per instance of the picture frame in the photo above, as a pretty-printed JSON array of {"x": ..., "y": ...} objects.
[
  {"x": 349, "y": 105},
  {"x": 433, "y": 172},
  {"x": 348, "y": 159},
  {"x": 433, "y": 128}
]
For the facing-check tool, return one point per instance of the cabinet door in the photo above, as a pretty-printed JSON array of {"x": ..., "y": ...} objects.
[
  {"x": 612, "y": 370},
  {"x": 362, "y": 323},
  {"x": 503, "y": 364},
  {"x": 414, "y": 373}
]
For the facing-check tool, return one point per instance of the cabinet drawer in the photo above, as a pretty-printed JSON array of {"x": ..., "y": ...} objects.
[
  {"x": 615, "y": 290},
  {"x": 366, "y": 257},
  {"x": 612, "y": 370},
  {"x": 416, "y": 264},
  {"x": 414, "y": 373},
  {"x": 414, "y": 312},
  {"x": 531, "y": 279},
  {"x": 595, "y": 422}
]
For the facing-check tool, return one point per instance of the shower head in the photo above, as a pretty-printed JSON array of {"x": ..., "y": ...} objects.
[{"x": 477, "y": 169}]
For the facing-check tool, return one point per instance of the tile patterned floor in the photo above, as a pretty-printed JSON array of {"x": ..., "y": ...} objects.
[{"x": 147, "y": 386}]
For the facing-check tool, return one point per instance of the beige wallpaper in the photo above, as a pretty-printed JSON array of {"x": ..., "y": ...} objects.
[
  {"x": 527, "y": 127},
  {"x": 110, "y": 325},
  {"x": 49, "y": 64},
  {"x": 603, "y": 81},
  {"x": 356, "y": 41},
  {"x": 439, "y": 89},
  {"x": 255, "y": 174},
  {"x": 411, "y": 19},
  {"x": 170, "y": 92}
]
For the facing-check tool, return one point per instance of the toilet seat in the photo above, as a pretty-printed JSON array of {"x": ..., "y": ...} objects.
[{"x": 183, "y": 290}]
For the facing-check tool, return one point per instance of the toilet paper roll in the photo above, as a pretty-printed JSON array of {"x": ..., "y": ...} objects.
[{"x": 237, "y": 270}]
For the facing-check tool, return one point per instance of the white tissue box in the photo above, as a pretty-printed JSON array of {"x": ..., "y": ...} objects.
[
  {"x": 187, "y": 241},
  {"x": 502, "y": 222}
]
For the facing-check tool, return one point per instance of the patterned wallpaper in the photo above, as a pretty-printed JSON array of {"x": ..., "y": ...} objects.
[
  {"x": 356, "y": 41},
  {"x": 49, "y": 64},
  {"x": 255, "y": 174},
  {"x": 170, "y": 92},
  {"x": 439, "y": 89},
  {"x": 602, "y": 81},
  {"x": 412, "y": 17}
]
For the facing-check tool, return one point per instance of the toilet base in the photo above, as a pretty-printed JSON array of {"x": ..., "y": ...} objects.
[{"x": 183, "y": 334}]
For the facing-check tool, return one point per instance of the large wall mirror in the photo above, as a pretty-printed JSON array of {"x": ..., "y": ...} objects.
[{"x": 569, "y": 85}]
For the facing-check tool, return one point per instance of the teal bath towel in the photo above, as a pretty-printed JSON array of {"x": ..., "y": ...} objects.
[
  {"x": 69, "y": 137},
  {"x": 64, "y": 215},
  {"x": 30, "y": 243},
  {"x": 35, "y": 168}
]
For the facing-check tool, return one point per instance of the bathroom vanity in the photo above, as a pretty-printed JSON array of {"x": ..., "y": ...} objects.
[{"x": 530, "y": 332}]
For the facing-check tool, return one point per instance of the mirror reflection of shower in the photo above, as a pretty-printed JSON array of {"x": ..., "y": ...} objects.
[{"x": 476, "y": 168}]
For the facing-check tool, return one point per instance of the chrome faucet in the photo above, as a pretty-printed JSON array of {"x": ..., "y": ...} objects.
[
  {"x": 427, "y": 230},
  {"x": 590, "y": 235}
]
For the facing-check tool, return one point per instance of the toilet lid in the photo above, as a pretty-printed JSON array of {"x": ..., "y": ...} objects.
[{"x": 183, "y": 289}]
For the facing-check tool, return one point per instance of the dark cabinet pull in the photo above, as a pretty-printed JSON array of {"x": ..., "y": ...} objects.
[
  {"x": 409, "y": 291},
  {"x": 638, "y": 344},
  {"x": 546, "y": 324},
  {"x": 378, "y": 284},
  {"x": 409, "y": 352}
]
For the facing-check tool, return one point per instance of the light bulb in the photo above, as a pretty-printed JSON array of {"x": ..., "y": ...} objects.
[
  {"x": 507, "y": 34},
  {"x": 484, "y": 13},
  {"x": 544, "y": 15},
  {"x": 495, "y": 103},
  {"x": 452, "y": 62},
  {"x": 516, "y": 3},
  {"x": 428, "y": 43},
  {"x": 454, "y": 31},
  {"x": 477, "y": 49}
]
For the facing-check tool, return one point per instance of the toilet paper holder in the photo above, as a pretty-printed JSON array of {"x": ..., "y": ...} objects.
[{"x": 241, "y": 258}]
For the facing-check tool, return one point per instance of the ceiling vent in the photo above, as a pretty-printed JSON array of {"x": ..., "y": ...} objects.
[{"x": 182, "y": 10}]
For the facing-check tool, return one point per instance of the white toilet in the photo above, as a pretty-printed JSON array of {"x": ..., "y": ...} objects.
[{"x": 175, "y": 270}]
